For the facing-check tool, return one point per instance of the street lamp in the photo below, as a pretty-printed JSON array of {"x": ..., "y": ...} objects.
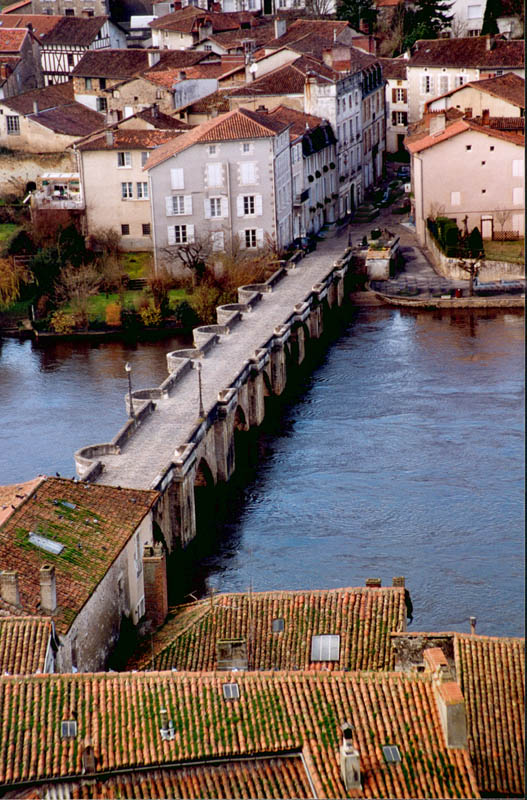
[
  {"x": 128, "y": 370},
  {"x": 201, "y": 409}
]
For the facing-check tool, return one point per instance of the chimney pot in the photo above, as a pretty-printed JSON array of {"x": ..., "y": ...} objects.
[
  {"x": 373, "y": 582},
  {"x": 349, "y": 759},
  {"x": 48, "y": 589},
  {"x": 399, "y": 581},
  {"x": 9, "y": 588},
  {"x": 472, "y": 621}
]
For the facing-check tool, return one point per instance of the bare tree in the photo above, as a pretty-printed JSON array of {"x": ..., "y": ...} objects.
[
  {"x": 74, "y": 286},
  {"x": 319, "y": 8},
  {"x": 193, "y": 256},
  {"x": 458, "y": 28},
  {"x": 502, "y": 216},
  {"x": 472, "y": 266}
]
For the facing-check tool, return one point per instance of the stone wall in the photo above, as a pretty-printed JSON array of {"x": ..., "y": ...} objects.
[
  {"x": 490, "y": 271},
  {"x": 17, "y": 168}
]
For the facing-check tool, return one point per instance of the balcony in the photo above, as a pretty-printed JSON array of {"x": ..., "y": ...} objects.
[
  {"x": 300, "y": 197},
  {"x": 65, "y": 202},
  {"x": 58, "y": 191}
]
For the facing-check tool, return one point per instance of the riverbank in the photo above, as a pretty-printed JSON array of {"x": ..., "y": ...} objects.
[{"x": 453, "y": 303}]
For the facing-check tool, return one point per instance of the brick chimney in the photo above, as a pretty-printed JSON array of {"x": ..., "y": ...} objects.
[
  {"x": 48, "y": 589},
  {"x": 485, "y": 116},
  {"x": 349, "y": 759},
  {"x": 373, "y": 583},
  {"x": 9, "y": 588},
  {"x": 437, "y": 123},
  {"x": 155, "y": 583},
  {"x": 337, "y": 57},
  {"x": 399, "y": 581},
  {"x": 449, "y": 698}
]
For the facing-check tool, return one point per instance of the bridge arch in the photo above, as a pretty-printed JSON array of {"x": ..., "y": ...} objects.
[{"x": 240, "y": 420}]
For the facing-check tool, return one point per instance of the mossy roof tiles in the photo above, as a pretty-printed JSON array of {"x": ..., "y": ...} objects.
[
  {"x": 93, "y": 534},
  {"x": 276, "y": 712},
  {"x": 24, "y": 644},
  {"x": 491, "y": 672},
  {"x": 363, "y": 617}
]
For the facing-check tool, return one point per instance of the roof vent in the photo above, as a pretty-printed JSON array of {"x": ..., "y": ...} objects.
[
  {"x": 349, "y": 759},
  {"x": 167, "y": 726}
]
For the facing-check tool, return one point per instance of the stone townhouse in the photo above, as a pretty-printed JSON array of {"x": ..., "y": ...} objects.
[
  {"x": 64, "y": 46},
  {"x": 396, "y": 100},
  {"x": 75, "y": 553},
  {"x": 115, "y": 159},
  {"x": 439, "y": 65},
  {"x": 469, "y": 169},
  {"x": 313, "y": 169},
  {"x": 185, "y": 28},
  {"x": 72, "y": 8},
  {"x": 229, "y": 180},
  {"x": 20, "y": 68}
]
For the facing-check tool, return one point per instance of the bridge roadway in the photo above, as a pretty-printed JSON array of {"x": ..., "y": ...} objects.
[{"x": 146, "y": 453}]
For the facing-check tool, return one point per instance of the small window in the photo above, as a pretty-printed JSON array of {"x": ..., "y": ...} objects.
[
  {"x": 246, "y": 147},
  {"x": 212, "y": 149},
  {"x": 125, "y": 230},
  {"x": 250, "y": 237},
  {"x": 68, "y": 729},
  {"x": 483, "y": 191},
  {"x": 13, "y": 126},
  {"x": 491, "y": 147},
  {"x": 278, "y": 625},
  {"x": 231, "y": 691},
  {"x": 124, "y": 159},
  {"x": 146, "y": 229},
  {"x": 88, "y": 84},
  {"x": 325, "y": 648},
  {"x": 178, "y": 204},
  {"x": 102, "y": 83},
  {"x": 144, "y": 157},
  {"x": 70, "y": 60},
  {"x": 483, "y": 163},
  {"x": 468, "y": 147},
  {"x": 215, "y": 206},
  {"x": 102, "y": 104},
  {"x": 248, "y": 204},
  {"x": 142, "y": 190},
  {"x": 391, "y": 754}
]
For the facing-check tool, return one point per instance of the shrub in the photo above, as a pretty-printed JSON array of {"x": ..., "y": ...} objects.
[
  {"x": 113, "y": 315},
  {"x": 204, "y": 302},
  {"x": 150, "y": 316},
  {"x": 185, "y": 315},
  {"x": 62, "y": 322}
]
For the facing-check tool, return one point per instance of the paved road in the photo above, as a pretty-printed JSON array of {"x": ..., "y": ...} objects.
[{"x": 152, "y": 446}]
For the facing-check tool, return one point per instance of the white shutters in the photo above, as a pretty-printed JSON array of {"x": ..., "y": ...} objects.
[
  {"x": 214, "y": 174},
  {"x": 169, "y": 206},
  {"x": 248, "y": 173},
  {"x": 218, "y": 241},
  {"x": 171, "y": 234},
  {"x": 177, "y": 178},
  {"x": 239, "y": 205},
  {"x": 188, "y": 204},
  {"x": 427, "y": 84},
  {"x": 180, "y": 234},
  {"x": 206, "y": 207},
  {"x": 443, "y": 84},
  {"x": 455, "y": 198},
  {"x": 259, "y": 237},
  {"x": 258, "y": 205},
  {"x": 216, "y": 207},
  {"x": 517, "y": 196},
  {"x": 224, "y": 206},
  {"x": 517, "y": 167},
  {"x": 249, "y": 205},
  {"x": 178, "y": 205},
  {"x": 190, "y": 233}
]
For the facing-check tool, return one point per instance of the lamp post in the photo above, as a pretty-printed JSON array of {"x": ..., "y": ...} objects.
[
  {"x": 128, "y": 370},
  {"x": 201, "y": 409}
]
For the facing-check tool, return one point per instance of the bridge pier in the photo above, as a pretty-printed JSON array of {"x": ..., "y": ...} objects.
[
  {"x": 278, "y": 361},
  {"x": 314, "y": 322}
]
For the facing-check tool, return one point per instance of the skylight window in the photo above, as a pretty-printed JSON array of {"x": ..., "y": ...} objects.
[
  {"x": 231, "y": 691},
  {"x": 278, "y": 625},
  {"x": 325, "y": 648},
  {"x": 45, "y": 544},
  {"x": 391, "y": 754},
  {"x": 68, "y": 729}
]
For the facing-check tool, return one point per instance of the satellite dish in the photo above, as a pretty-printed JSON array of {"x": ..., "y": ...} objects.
[{"x": 253, "y": 67}]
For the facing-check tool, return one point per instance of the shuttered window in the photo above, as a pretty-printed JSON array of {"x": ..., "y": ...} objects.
[
  {"x": 177, "y": 178},
  {"x": 214, "y": 174},
  {"x": 248, "y": 173},
  {"x": 180, "y": 234}
]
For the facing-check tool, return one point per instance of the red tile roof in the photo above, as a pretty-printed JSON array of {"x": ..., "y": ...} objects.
[
  {"x": 469, "y": 52},
  {"x": 509, "y": 87},
  {"x": 238, "y": 124},
  {"x": 286, "y": 80},
  {"x": 79, "y": 31},
  {"x": 129, "y": 139},
  {"x": 24, "y": 643},
  {"x": 46, "y": 97},
  {"x": 186, "y": 21},
  {"x": 15, "y": 6},
  {"x": 93, "y": 534},
  {"x": 41, "y": 23},
  {"x": 12, "y": 39},
  {"x": 160, "y": 120},
  {"x": 11, "y": 496},
  {"x": 276, "y": 713},
  {"x": 362, "y": 617},
  {"x": 324, "y": 28},
  {"x": 491, "y": 672},
  {"x": 394, "y": 68},
  {"x": 232, "y": 40},
  {"x": 423, "y": 140},
  {"x": 214, "y": 101}
]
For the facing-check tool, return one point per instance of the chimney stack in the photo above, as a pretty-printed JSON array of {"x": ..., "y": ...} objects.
[
  {"x": 485, "y": 116},
  {"x": 349, "y": 759},
  {"x": 449, "y": 698},
  {"x": 35, "y": 106},
  {"x": 373, "y": 583},
  {"x": 167, "y": 726},
  {"x": 155, "y": 111},
  {"x": 9, "y": 588},
  {"x": 153, "y": 58},
  {"x": 437, "y": 123},
  {"x": 48, "y": 589},
  {"x": 109, "y": 138},
  {"x": 399, "y": 581},
  {"x": 182, "y": 75},
  {"x": 155, "y": 583},
  {"x": 472, "y": 621},
  {"x": 280, "y": 27}
]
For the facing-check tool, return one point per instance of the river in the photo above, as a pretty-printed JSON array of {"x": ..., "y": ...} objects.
[{"x": 400, "y": 454}]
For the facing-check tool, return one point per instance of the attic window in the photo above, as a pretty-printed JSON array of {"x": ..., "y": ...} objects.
[
  {"x": 68, "y": 729},
  {"x": 325, "y": 648},
  {"x": 48, "y": 545},
  {"x": 391, "y": 754},
  {"x": 278, "y": 625},
  {"x": 231, "y": 691}
]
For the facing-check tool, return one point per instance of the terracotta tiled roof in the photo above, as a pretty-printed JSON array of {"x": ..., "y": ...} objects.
[
  {"x": 281, "y": 777},
  {"x": 178, "y": 58},
  {"x": 422, "y": 139},
  {"x": 41, "y": 23},
  {"x": 300, "y": 122},
  {"x": 93, "y": 534},
  {"x": 260, "y": 34},
  {"x": 129, "y": 139},
  {"x": 215, "y": 100},
  {"x": 324, "y": 28},
  {"x": 491, "y": 672},
  {"x": 11, "y": 496},
  {"x": 509, "y": 87},
  {"x": 46, "y": 97},
  {"x": 161, "y": 121},
  {"x": 117, "y": 64},
  {"x": 80, "y": 31},
  {"x": 238, "y": 124},
  {"x": 285, "y": 80},
  {"x": 73, "y": 119},
  {"x": 186, "y": 22},
  {"x": 24, "y": 644},
  {"x": 275, "y": 713},
  {"x": 15, "y": 6},
  {"x": 362, "y": 617},
  {"x": 12, "y": 39},
  {"x": 469, "y": 52},
  {"x": 394, "y": 68}
]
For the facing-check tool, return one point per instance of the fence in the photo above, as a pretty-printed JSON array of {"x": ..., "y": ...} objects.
[{"x": 505, "y": 236}]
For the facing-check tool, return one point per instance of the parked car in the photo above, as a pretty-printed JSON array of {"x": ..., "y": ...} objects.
[
  {"x": 403, "y": 173},
  {"x": 387, "y": 198},
  {"x": 305, "y": 243}
]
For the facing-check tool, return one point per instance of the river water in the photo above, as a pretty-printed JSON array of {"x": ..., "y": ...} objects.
[{"x": 400, "y": 454}]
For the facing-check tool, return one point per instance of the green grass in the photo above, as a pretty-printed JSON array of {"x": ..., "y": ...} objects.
[
  {"x": 136, "y": 265},
  {"x": 131, "y": 299},
  {"x": 505, "y": 251},
  {"x": 7, "y": 229},
  {"x": 175, "y": 296}
]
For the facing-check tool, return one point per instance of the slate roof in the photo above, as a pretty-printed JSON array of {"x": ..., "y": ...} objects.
[
  {"x": 103, "y": 520},
  {"x": 46, "y": 97},
  {"x": 491, "y": 672},
  {"x": 12, "y": 39},
  {"x": 80, "y": 31},
  {"x": 41, "y": 23},
  {"x": 24, "y": 644},
  {"x": 363, "y": 617},
  {"x": 129, "y": 139},
  {"x": 238, "y": 124},
  {"x": 276, "y": 713},
  {"x": 468, "y": 52}
]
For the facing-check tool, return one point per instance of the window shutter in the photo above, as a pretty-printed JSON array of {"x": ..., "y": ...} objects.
[
  {"x": 423, "y": 84},
  {"x": 239, "y": 204},
  {"x": 405, "y": 95},
  {"x": 517, "y": 167},
  {"x": 176, "y": 178},
  {"x": 188, "y": 204},
  {"x": 171, "y": 234},
  {"x": 431, "y": 85},
  {"x": 206, "y": 207},
  {"x": 242, "y": 239},
  {"x": 169, "y": 206},
  {"x": 517, "y": 196},
  {"x": 258, "y": 205},
  {"x": 405, "y": 118},
  {"x": 259, "y": 237},
  {"x": 394, "y": 95},
  {"x": 394, "y": 118},
  {"x": 190, "y": 233},
  {"x": 224, "y": 206}
]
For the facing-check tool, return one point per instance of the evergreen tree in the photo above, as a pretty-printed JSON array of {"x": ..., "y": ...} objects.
[
  {"x": 426, "y": 20},
  {"x": 492, "y": 12},
  {"x": 356, "y": 10}
]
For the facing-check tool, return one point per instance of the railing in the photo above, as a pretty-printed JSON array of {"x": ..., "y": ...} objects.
[{"x": 60, "y": 203}]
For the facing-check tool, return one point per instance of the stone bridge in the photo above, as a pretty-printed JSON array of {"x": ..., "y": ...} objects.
[{"x": 168, "y": 446}]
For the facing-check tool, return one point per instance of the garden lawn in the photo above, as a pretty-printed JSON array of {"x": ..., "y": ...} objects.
[
  {"x": 136, "y": 265},
  {"x": 131, "y": 299},
  {"x": 7, "y": 229},
  {"x": 505, "y": 251}
]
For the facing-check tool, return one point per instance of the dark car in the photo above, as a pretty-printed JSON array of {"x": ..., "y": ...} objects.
[
  {"x": 403, "y": 173},
  {"x": 305, "y": 243}
]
